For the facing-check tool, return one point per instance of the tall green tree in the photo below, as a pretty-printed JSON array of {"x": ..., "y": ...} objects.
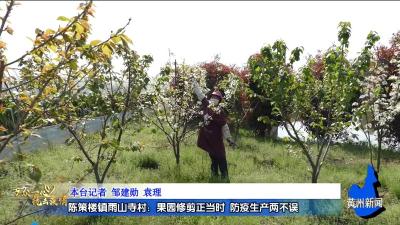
[{"x": 319, "y": 102}]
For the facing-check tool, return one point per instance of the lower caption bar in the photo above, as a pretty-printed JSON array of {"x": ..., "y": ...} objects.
[{"x": 197, "y": 207}]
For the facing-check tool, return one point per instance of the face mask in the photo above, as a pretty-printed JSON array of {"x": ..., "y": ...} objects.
[{"x": 214, "y": 101}]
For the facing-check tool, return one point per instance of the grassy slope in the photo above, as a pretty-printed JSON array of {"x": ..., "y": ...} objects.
[{"x": 254, "y": 161}]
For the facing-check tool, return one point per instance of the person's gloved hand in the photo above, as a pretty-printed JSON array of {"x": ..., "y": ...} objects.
[
  {"x": 231, "y": 143},
  {"x": 192, "y": 79}
]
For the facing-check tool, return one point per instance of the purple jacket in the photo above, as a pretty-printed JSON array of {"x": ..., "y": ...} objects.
[{"x": 210, "y": 135}]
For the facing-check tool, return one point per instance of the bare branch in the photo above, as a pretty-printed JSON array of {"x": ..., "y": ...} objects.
[
  {"x": 5, "y": 17},
  {"x": 78, "y": 140},
  {"x": 299, "y": 142}
]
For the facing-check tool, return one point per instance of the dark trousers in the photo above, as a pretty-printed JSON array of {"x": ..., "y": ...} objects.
[{"x": 219, "y": 162}]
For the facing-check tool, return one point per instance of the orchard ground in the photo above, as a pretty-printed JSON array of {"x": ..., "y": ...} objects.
[{"x": 254, "y": 161}]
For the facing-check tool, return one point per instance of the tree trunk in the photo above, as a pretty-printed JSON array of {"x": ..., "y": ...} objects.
[
  {"x": 177, "y": 152},
  {"x": 378, "y": 160},
  {"x": 371, "y": 149},
  {"x": 314, "y": 175},
  {"x": 2, "y": 68},
  {"x": 96, "y": 174},
  {"x": 371, "y": 156}
]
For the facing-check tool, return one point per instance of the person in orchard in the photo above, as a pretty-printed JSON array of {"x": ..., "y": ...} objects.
[{"x": 213, "y": 132}]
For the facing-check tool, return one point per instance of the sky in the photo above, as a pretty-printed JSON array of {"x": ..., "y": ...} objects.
[{"x": 197, "y": 31}]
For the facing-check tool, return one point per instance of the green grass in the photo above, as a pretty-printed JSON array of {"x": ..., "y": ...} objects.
[{"x": 254, "y": 161}]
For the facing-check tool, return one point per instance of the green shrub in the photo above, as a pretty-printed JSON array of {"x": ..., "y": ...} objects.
[{"x": 148, "y": 162}]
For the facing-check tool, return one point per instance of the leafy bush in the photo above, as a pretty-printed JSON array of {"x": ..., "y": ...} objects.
[
  {"x": 261, "y": 118},
  {"x": 319, "y": 96},
  {"x": 170, "y": 104},
  {"x": 148, "y": 162}
]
